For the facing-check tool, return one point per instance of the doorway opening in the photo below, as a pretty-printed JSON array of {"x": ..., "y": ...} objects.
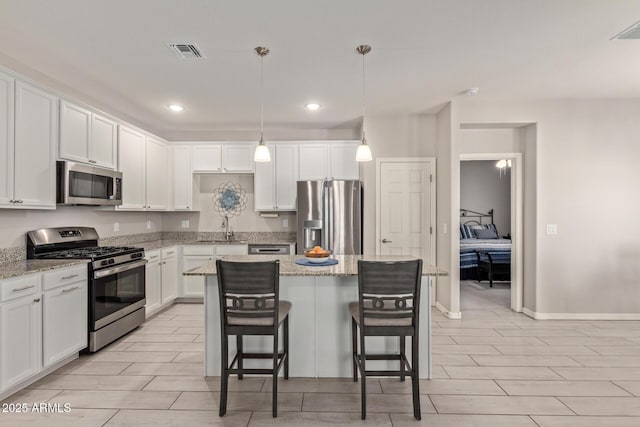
[{"x": 491, "y": 232}]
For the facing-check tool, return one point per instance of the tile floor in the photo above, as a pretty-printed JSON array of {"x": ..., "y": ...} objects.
[{"x": 493, "y": 368}]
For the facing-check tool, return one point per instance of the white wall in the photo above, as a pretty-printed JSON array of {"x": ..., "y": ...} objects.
[
  {"x": 484, "y": 187},
  {"x": 210, "y": 220},
  {"x": 586, "y": 158},
  {"x": 15, "y": 223},
  {"x": 391, "y": 136}
]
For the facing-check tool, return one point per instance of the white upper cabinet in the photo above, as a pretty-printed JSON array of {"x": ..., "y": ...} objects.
[
  {"x": 237, "y": 157},
  {"x": 86, "y": 137},
  {"x": 275, "y": 181},
  {"x": 225, "y": 157},
  {"x": 36, "y": 135},
  {"x": 131, "y": 162},
  {"x": 6, "y": 138},
  {"x": 329, "y": 160},
  {"x": 314, "y": 161},
  {"x": 157, "y": 177},
  {"x": 144, "y": 163},
  {"x": 182, "y": 179},
  {"x": 104, "y": 141},
  {"x": 207, "y": 158}
]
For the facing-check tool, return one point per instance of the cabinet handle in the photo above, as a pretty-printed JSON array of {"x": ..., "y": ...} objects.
[
  {"x": 18, "y": 201},
  {"x": 23, "y": 288},
  {"x": 12, "y": 201},
  {"x": 386, "y": 241},
  {"x": 170, "y": 253},
  {"x": 187, "y": 207},
  {"x": 64, "y": 291},
  {"x": 36, "y": 300},
  {"x": 69, "y": 277}
]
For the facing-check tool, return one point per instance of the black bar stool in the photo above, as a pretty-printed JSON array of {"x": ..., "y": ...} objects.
[
  {"x": 389, "y": 303},
  {"x": 249, "y": 305}
]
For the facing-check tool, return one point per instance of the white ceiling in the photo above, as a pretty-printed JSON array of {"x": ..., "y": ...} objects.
[{"x": 425, "y": 53}]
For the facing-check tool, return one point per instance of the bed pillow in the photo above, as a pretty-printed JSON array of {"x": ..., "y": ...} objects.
[
  {"x": 483, "y": 233},
  {"x": 465, "y": 232}
]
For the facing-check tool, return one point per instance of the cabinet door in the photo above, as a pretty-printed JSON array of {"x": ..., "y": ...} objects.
[
  {"x": 64, "y": 325},
  {"x": 20, "y": 340},
  {"x": 169, "y": 279},
  {"x": 104, "y": 141},
  {"x": 6, "y": 138},
  {"x": 207, "y": 158},
  {"x": 232, "y": 250},
  {"x": 182, "y": 178},
  {"x": 237, "y": 158},
  {"x": 264, "y": 184},
  {"x": 314, "y": 161},
  {"x": 193, "y": 286},
  {"x": 131, "y": 154},
  {"x": 75, "y": 132},
  {"x": 36, "y": 133},
  {"x": 153, "y": 284},
  {"x": 286, "y": 176},
  {"x": 343, "y": 163},
  {"x": 157, "y": 180}
]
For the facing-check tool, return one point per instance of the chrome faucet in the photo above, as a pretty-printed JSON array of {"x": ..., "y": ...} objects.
[{"x": 228, "y": 234}]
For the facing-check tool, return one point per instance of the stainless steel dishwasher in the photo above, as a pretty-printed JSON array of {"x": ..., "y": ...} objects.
[{"x": 269, "y": 249}]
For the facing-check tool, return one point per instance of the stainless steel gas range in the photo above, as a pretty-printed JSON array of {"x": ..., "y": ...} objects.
[{"x": 116, "y": 278}]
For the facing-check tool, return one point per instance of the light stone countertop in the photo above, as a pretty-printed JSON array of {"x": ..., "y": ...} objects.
[
  {"x": 161, "y": 244},
  {"x": 347, "y": 265},
  {"x": 29, "y": 266}
]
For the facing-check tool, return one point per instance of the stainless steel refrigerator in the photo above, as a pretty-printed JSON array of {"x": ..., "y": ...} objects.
[{"x": 330, "y": 215}]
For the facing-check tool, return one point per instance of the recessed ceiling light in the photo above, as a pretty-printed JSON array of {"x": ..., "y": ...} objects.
[
  {"x": 175, "y": 108},
  {"x": 312, "y": 106},
  {"x": 473, "y": 91}
]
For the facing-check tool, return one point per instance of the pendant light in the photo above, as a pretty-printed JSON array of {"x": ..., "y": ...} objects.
[
  {"x": 262, "y": 151},
  {"x": 364, "y": 152}
]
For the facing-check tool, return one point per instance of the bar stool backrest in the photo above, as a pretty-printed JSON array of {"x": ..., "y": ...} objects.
[
  {"x": 248, "y": 290},
  {"x": 389, "y": 293}
]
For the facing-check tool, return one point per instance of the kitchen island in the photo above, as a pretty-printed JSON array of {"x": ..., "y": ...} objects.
[{"x": 320, "y": 322}]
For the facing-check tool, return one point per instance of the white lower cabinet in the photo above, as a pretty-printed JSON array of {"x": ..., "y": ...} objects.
[
  {"x": 64, "y": 319},
  {"x": 20, "y": 338},
  {"x": 43, "y": 320},
  {"x": 161, "y": 279}
]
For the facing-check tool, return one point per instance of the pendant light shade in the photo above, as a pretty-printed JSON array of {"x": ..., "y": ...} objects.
[
  {"x": 262, "y": 151},
  {"x": 364, "y": 152}
]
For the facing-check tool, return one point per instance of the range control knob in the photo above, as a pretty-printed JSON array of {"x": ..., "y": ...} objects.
[
  {"x": 111, "y": 261},
  {"x": 103, "y": 262}
]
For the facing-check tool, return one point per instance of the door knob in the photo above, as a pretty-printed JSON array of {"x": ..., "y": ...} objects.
[{"x": 386, "y": 241}]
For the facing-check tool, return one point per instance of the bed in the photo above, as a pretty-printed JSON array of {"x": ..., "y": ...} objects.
[{"x": 479, "y": 236}]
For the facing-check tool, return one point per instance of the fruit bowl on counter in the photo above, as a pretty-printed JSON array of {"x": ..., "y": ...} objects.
[{"x": 317, "y": 255}]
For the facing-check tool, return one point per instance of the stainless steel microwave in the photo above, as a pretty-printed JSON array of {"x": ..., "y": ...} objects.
[{"x": 79, "y": 184}]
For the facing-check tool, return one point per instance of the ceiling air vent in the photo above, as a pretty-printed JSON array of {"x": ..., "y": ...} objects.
[
  {"x": 186, "y": 50},
  {"x": 631, "y": 33}
]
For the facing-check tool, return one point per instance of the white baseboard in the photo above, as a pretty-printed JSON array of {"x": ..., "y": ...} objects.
[
  {"x": 581, "y": 316},
  {"x": 449, "y": 314}
]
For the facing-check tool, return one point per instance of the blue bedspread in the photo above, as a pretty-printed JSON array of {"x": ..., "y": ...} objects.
[{"x": 500, "y": 250}]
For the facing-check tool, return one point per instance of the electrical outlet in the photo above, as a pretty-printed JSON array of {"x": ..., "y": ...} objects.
[
  {"x": 552, "y": 229},
  {"x": 184, "y": 223},
  {"x": 116, "y": 226},
  {"x": 149, "y": 225},
  {"x": 285, "y": 223}
]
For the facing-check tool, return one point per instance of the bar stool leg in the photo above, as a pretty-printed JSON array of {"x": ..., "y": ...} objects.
[
  {"x": 240, "y": 351},
  {"x": 402, "y": 356},
  {"x": 274, "y": 397},
  {"x": 286, "y": 348},
  {"x": 224, "y": 379},
  {"x": 354, "y": 349},
  {"x": 415, "y": 378},
  {"x": 363, "y": 374}
]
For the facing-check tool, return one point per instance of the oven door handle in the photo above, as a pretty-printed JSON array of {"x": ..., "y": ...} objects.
[{"x": 102, "y": 273}]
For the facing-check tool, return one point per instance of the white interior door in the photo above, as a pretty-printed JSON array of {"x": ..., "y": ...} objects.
[{"x": 405, "y": 208}]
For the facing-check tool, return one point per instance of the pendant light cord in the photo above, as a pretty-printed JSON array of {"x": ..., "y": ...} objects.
[
  {"x": 363, "y": 100},
  {"x": 261, "y": 98}
]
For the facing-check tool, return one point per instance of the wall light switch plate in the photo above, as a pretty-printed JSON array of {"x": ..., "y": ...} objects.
[
  {"x": 552, "y": 229},
  {"x": 116, "y": 226},
  {"x": 184, "y": 223},
  {"x": 444, "y": 228},
  {"x": 149, "y": 225},
  {"x": 285, "y": 223}
]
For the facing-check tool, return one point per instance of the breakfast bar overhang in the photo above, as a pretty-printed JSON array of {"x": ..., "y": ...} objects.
[{"x": 320, "y": 334}]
